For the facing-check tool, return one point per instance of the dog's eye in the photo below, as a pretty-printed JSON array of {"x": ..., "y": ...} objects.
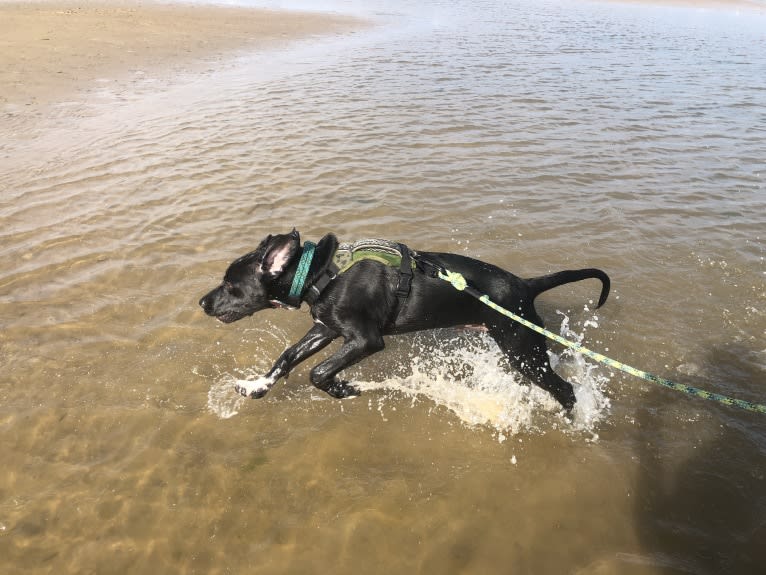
[{"x": 231, "y": 290}]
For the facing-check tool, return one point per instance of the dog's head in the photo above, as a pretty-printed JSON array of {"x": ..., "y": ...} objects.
[{"x": 250, "y": 281}]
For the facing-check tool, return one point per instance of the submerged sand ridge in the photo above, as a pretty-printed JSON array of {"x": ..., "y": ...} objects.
[{"x": 51, "y": 51}]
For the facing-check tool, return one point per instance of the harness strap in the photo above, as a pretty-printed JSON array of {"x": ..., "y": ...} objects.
[
  {"x": 404, "y": 286},
  {"x": 405, "y": 274},
  {"x": 316, "y": 289}
]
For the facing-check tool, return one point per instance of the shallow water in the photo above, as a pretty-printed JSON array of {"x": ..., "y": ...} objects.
[{"x": 536, "y": 135}]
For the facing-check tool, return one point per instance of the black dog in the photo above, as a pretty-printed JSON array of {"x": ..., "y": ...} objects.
[{"x": 368, "y": 301}]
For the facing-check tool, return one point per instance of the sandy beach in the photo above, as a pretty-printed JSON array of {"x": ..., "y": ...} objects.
[
  {"x": 52, "y": 51},
  {"x": 58, "y": 51}
]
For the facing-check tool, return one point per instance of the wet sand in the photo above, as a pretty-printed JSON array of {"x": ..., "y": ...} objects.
[{"x": 52, "y": 51}]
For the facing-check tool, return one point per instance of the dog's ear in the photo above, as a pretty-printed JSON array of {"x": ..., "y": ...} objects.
[{"x": 280, "y": 250}]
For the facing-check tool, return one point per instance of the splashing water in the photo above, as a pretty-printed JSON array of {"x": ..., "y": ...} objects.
[
  {"x": 222, "y": 400},
  {"x": 589, "y": 383},
  {"x": 468, "y": 375}
]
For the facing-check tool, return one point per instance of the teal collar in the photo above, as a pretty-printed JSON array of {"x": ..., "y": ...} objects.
[{"x": 296, "y": 289}]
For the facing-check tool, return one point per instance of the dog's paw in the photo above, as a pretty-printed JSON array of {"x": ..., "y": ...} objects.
[
  {"x": 254, "y": 389},
  {"x": 342, "y": 390}
]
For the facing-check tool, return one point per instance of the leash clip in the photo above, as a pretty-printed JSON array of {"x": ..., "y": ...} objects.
[{"x": 428, "y": 268}]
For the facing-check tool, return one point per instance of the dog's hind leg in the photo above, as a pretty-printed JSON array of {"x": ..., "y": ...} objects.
[{"x": 527, "y": 351}]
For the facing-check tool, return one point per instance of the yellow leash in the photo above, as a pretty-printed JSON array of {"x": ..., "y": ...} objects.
[{"x": 459, "y": 283}]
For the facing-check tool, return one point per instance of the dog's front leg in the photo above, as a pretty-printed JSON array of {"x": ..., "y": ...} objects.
[
  {"x": 352, "y": 351},
  {"x": 317, "y": 338}
]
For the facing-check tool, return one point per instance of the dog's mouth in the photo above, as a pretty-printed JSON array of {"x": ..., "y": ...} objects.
[
  {"x": 229, "y": 317},
  {"x": 276, "y": 304}
]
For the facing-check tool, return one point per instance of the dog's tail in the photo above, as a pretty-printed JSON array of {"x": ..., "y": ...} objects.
[{"x": 544, "y": 283}]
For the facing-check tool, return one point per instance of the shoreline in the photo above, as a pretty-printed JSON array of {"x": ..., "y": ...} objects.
[{"x": 59, "y": 50}]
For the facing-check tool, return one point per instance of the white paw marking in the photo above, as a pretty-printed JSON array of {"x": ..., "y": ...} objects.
[{"x": 254, "y": 389}]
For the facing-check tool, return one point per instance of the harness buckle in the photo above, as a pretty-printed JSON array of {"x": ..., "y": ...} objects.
[{"x": 316, "y": 289}]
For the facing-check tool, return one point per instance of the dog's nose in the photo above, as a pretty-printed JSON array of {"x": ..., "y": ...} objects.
[{"x": 204, "y": 303}]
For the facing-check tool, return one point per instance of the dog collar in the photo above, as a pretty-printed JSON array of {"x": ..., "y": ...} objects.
[{"x": 296, "y": 289}]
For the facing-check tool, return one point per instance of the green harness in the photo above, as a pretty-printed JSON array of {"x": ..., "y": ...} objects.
[
  {"x": 347, "y": 255},
  {"x": 383, "y": 251}
]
